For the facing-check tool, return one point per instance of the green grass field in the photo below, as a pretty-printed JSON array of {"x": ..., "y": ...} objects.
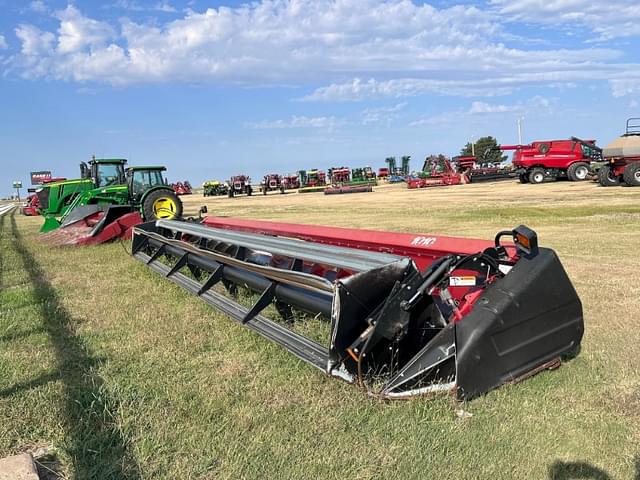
[{"x": 121, "y": 374}]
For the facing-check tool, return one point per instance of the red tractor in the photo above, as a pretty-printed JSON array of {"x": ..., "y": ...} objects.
[
  {"x": 383, "y": 172},
  {"x": 622, "y": 158},
  {"x": 271, "y": 183},
  {"x": 240, "y": 184},
  {"x": 339, "y": 175},
  {"x": 182, "y": 188},
  {"x": 554, "y": 159},
  {"x": 291, "y": 182}
]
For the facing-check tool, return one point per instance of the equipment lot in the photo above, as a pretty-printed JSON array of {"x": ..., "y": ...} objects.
[{"x": 125, "y": 375}]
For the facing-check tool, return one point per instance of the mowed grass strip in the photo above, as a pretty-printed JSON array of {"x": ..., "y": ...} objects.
[{"x": 181, "y": 391}]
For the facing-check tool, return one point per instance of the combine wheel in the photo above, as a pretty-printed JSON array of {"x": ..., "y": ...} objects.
[
  {"x": 606, "y": 177},
  {"x": 230, "y": 192},
  {"x": 524, "y": 178},
  {"x": 631, "y": 174},
  {"x": 250, "y": 190},
  {"x": 264, "y": 190},
  {"x": 536, "y": 175},
  {"x": 162, "y": 204},
  {"x": 578, "y": 171},
  {"x": 282, "y": 189}
]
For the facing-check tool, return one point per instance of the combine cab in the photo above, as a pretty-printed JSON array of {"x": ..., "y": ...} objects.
[
  {"x": 622, "y": 158},
  {"x": 272, "y": 183},
  {"x": 240, "y": 185},
  {"x": 405, "y": 314},
  {"x": 554, "y": 159}
]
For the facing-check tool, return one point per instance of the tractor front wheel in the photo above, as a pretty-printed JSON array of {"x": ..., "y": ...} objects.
[
  {"x": 578, "y": 171},
  {"x": 631, "y": 174},
  {"x": 161, "y": 204},
  {"x": 607, "y": 178},
  {"x": 536, "y": 176}
]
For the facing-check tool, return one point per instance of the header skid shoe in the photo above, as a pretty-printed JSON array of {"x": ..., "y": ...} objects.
[{"x": 468, "y": 322}]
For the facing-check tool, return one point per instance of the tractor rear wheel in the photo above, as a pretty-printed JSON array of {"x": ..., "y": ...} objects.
[
  {"x": 607, "y": 178},
  {"x": 578, "y": 171},
  {"x": 536, "y": 175},
  {"x": 631, "y": 174},
  {"x": 524, "y": 178},
  {"x": 162, "y": 204}
]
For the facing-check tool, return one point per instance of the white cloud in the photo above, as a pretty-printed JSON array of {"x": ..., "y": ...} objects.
[
  {"x": 625, "y": 87},
  {"x": 483, "y": 107},
  {"x": 38, "y": 6},
  {"x": 382, "y": 115},
  {"x": 607, "y": 19},
  {"x": 328, "y": 123},
  {"x": 77, "y": 32},
  {"x": 357, "y": 49},
  {"x": 3, "y": 43},
  {"x": 164, "y": 6},
  {"x": 479, "y": 108}
]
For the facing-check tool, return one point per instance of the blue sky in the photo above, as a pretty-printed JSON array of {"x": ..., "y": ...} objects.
[{"x": 212, "y": 88}]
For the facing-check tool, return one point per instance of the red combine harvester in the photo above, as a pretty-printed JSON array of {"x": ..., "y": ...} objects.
[
  {"x": 238, "y": 185},
  {"x": 554, "y": 159},
  {"x": 272, "y": 183},
  {"x": 182, "y": 188},
  {"x": 437, "y": 172},
  {"x": 383, "y": 172},
  {"x": 32, "y": 207},
  {"x": 623, "y": 158},
  {"x": 409, "y": 314}
]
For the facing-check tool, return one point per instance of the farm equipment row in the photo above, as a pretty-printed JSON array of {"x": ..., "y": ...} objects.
[{"x": 407, "y": 314}]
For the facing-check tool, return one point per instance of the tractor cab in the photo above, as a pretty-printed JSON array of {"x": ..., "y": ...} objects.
[
  {"x": 104, "y": 172},
  {"x": 142, "y": 179}
]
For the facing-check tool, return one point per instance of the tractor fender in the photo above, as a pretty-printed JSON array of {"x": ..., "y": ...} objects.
[{"x": 153, "y": 189}]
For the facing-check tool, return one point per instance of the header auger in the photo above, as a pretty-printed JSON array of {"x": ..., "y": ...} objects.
[{"x": 406, "y": 314}]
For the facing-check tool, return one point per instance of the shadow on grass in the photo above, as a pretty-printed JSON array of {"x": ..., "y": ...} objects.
[
  {"x": 584, "y": 471},
  {"x": 96, "y": 446}
]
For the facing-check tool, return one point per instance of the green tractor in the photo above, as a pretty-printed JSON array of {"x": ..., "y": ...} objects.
[{"x": 105, "y": 185}]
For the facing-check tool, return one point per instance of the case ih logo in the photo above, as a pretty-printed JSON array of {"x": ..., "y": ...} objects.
[
  {"x": 423, "y": 241},
  {"x": 38, "y": 177}
]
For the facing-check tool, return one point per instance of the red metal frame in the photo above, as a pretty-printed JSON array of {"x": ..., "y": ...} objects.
[
  {"x": 78, "y": 233},
  {"x": 422, "y": 248}
]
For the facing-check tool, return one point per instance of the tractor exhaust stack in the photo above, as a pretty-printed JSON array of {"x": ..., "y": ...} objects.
[{"x": 406, "y": 316}]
